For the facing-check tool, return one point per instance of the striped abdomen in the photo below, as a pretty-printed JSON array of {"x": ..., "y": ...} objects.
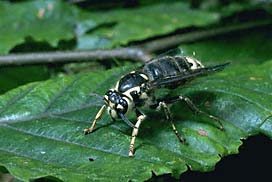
[{"x": 170, "y": 66}]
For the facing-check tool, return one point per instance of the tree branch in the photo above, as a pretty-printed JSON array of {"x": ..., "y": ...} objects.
[
  {"x": 134, "y": 54},
  {"x": 141, "y": 52}
]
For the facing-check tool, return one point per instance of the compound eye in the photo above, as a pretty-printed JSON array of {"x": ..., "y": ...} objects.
[
  {"x": 123, "y": 102},
  {"x": 114, "y": 98}
]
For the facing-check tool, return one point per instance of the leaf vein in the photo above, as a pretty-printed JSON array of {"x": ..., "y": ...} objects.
[
  {"x": 19, "y": 96},
  {"x": 73, "y": 143},
  {"x": 61, "y": 92}
]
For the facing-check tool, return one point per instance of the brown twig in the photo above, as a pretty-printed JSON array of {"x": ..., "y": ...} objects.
[
  {"x": 141, "y": 52},
  {"x": 135, "y": 54}
]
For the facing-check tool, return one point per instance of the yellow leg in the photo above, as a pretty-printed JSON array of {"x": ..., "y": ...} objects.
[
  {"x": 134, "y": 134},
  {"x": 97, "y": 117}
]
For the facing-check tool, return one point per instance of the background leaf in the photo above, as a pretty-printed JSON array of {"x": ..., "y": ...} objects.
[
  {"x": 122, "y": 26},
  {"x": 49, "y": 21},
  {"x": 52, "y": 21},
  {"x": 38, "y": 20},
  {"x": 41, "y": 127},
  {"x": 239, "y": 48}
]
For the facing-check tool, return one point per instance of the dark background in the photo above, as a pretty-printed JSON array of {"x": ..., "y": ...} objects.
[{"x": 253, "y": 163}]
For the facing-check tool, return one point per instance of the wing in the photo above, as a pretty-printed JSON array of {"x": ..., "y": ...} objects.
[
  {"x": 176, "y": 80},
  {"x": 171, "y": 52}
]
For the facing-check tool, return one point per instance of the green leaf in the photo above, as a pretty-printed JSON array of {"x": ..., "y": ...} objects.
[
  {"x": 49, "y": 21},
  {"x": 251, "y": 46},
  {"x": 126, "y": 25},
  {"x": 41, "y": 127},
  {"x": 122, "y": 26},
  {"x": 230, "y": 8}
]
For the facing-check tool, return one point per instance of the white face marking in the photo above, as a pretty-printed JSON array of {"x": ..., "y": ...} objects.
[
  {"x": 120, "y": 107},
  {"x": 195, "y": 63}
]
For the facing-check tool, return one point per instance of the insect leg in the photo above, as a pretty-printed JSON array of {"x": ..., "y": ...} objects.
[
  {"x": 97, "y": 117},
  {"x": 193, "y": 108},
  {"x": 140, "y": 118},
  {"x": 198, "y": 111},
  {"x": 169, "y": 118}
]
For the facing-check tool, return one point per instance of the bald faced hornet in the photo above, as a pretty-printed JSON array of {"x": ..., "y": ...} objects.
[{"x": 136, "y": 89}]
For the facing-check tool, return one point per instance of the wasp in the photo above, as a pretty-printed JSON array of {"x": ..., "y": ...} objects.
[{"x": 136, "y": 89}]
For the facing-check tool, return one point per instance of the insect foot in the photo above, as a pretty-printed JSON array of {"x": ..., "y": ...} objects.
[{"x": 87, "y": 131}]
